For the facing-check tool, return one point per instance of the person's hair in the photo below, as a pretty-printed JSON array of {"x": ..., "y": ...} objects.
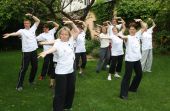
[
  {"x": 80, "y": 26},
  {"x": 114, "y": 19},
  {"x": 45, "y": 26},
  {"x": 133, "y": 24},
  {"x": 66, "y": 29},
  {"x": 27, "y": 20},
  {"x": 102, "y": 28},
  {"x": 115, "y": 28}
]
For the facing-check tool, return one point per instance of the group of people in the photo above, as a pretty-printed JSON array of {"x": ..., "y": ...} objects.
[
  {"x": 62, "y": 54},
  {"x": 112, "y": 39}
]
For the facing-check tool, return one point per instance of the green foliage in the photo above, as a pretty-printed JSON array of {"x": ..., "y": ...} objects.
[
  {"x": 103, "y": 12},
  {"x": 163, "y": 42},
  {"x": 15, "y": 10},
  {"x": 158, "y": 10},
  {"x": 90, "y": 45},
  {"x": 130, "y": 9},
  {"x": 95, "y": 52}
]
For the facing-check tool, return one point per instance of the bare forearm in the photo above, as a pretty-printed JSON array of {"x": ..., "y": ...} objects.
[
  {"x": 56, "y": 25},
  {"x": 153, "y": 24},
  {"x": 37, "y": 21},
  {"x": 47, "y": 42},
  {"x": 11, "y": 34},
  {"x": 75, "y": 29},
  {"x": 123, "y": 26},
  {"x": 51, "y": 50}
]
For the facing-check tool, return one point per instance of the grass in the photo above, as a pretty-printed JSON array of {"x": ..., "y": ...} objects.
[{"x": 93, "y": 91}]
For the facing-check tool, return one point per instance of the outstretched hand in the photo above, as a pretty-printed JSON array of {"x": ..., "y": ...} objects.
[
  {"x": 78, "y": 21},
  {"x": 67, "y": 22},
  {"x": 28, "y": 14},
  {"x": 42, "y": 54},
  {"x": 49, "y": 21},
  {"x": 65, "y": 19},
  {"x": 5, "y": 36},
  {"x": 137, "y": 20}
]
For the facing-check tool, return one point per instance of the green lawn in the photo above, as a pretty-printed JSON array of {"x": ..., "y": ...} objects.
[{"x": 93, "y": 91}]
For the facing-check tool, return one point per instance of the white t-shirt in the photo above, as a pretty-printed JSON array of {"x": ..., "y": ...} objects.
[
  {"x": 147, "y": 39},
  {"x": 65, "y": 56},
  {"x": 55, "y": 56},
  {"x": 80, "y": 43},
  {"x": 110, "y": 32},
  {"x": 45, "y": 37},
  {"x": 133, "y": 52},
  {"x": 104, "y": 40},
  {"x": 28, "y": 37},
  {"x": 117, "y": 45}
]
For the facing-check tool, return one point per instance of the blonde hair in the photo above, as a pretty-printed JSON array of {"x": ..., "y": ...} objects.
[{"x": 65, "y": 29}]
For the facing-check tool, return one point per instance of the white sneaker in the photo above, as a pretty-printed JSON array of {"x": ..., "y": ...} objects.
[
  {"x": 117, "y": 75},
  {"x": 80, "y": 72},
  {"x": 109, "y": 78},
  {"x": 19, "y": 89},
  {"x": 148, "y": 71},
  {"x": 107, "y": 66}
]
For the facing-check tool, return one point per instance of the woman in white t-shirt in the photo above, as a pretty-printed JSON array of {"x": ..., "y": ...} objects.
[
  {"x": 116, "y": 51},
  {"x": 48, "y": 60},
  {"x": 132, "y": 60},
  {"x": 147, "y": 56},
  {"x": 104, "y": 53},
  {"x": 80, "y": 48},
  {"x": 65, "y": 76}
]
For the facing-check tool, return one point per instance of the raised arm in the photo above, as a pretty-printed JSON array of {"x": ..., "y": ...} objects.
[
  {"x": 153, "y": 23},
  {"x": 142, "y": 23},
  {"x": 83, "y": 23},
  {"x": 49, "y": 51},
  {"x": 56, "y": 26},
  {"x": 75, "y": 30},
  {"x": 37, "y": 21},
  {"x": 11, "y": 34},
  {"x": 51, "y": 42},
  {"x": 123, "y": 26}
]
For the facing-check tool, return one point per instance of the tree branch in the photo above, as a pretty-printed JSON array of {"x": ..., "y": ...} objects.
[
  {"x": 86, "y": 10},
  {"x": 62, "y": 8}
]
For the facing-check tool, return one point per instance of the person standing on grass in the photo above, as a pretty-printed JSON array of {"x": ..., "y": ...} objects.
[
  {"x": 80, "y": 48},
  {"x": 29, "y": 46},
  {"x": 147, "y": 55},
  {"x": 112, "y": 24},
  {"x": 48, "y": 60},
  {"x": 64, "y": 70},
  {"x": 116, "y": 51},
  {"x": 132, "y": 60},
  {"x": 104, "y": 53}
]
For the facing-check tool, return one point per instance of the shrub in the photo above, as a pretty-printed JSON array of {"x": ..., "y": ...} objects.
[
  {"x": 95, "y": 52},
  {"x": 90, "y": 45}
]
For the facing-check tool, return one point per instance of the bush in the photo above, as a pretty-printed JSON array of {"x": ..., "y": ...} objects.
[
  {"x": 90, "y": 45},
  {"x": 95, "y": 52}
]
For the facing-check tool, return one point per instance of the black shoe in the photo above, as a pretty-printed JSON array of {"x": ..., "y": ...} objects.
[{"x": 123, "y": 97}]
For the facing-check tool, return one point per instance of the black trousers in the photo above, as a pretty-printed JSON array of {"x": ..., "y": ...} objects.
[
  {"x": 129, "y": 66},
  {"x": 83, "y": 59},
  {"x": 64, "y": 91},
  {"x": 116, "y": 64},
  {"x": 48, "y": 66},
  {"x": 28, "y": 57}
]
